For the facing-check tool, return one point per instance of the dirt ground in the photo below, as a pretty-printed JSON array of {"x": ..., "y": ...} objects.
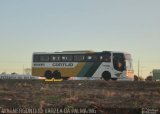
[{"x": 85, "y": 97}]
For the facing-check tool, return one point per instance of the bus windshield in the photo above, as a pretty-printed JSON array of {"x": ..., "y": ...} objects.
[{"x": 119, "y": 62}]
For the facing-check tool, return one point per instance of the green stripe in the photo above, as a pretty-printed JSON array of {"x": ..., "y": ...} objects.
[
  {"x": 85, "y": 69},
  {"x": 89, "y": 69},
  {"x": 93, "y": 69}
]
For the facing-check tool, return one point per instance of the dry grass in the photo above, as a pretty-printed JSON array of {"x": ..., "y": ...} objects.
[{"x": 99, "y": 95}]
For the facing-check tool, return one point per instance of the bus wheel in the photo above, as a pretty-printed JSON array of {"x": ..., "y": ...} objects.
[
  {"x": 106, "y": 75},
  {"x": 48, "y": 74},
  {"x": 57, "y": 74}
]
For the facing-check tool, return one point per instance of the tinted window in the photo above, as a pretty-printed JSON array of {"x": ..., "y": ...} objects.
[
  {"x": 67, "y": 58},
  {"x": 55, "y": 58},
  {"x": 106, "y": 57},
  {"x": 35, "y": 58},
  {"x": 119, "y": 61},
  {"x": 41, "y": 58},
  {"x": 44, "y": 58},
  {"x": 91, "y": 57},
  {"x": 79, "y": 58}
]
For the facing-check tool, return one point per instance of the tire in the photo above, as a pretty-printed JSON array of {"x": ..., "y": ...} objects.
[
  {"x": 56, "y": 74},
  {"x": 106, "y": 75},
  {"x": 48, "y": 74}
]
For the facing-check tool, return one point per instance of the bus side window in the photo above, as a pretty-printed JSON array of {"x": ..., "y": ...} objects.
[
  {"x": 79, "y": 58},
  {"x": 108, "y": 57},
  {"x": 55, "y": 58},
  {"x": 66, "y": 58},
  {"x": 36, "y": 58},
  {"x": 105, "y": 58},
  {"x": 100, "y": 58},
  {"x": 91, "y": 58},
  {"x": 88, "y": 58},
  {"x": 44, "y": 58}
]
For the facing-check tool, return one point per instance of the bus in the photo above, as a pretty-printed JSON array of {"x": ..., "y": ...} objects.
[{"x": 107, "y": 65}]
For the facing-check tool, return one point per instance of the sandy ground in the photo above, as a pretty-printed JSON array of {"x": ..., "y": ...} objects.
[{"x": 86, "y": 97}]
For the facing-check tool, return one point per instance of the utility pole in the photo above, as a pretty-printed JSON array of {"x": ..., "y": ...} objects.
[
  {"x": 23, "y": 69},
  {"x": 138, "y": 68}
]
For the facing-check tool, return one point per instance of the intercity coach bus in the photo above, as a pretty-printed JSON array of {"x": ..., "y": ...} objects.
[{"x": 107, "y": 65}]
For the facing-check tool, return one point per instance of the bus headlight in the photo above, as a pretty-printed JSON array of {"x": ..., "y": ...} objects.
[{"x": 130, "y": 73}]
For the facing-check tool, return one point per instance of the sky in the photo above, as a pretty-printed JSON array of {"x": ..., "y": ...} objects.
[{"x": 28, "y": 26}]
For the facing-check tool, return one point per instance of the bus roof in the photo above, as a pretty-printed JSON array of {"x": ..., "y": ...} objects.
[{"x": 78, "y": 52}]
